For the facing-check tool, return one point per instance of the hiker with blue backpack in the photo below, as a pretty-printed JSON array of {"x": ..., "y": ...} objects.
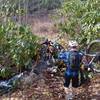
[
  {"x": 73, "y": 60},
  {"x": 76, "y": 65}
]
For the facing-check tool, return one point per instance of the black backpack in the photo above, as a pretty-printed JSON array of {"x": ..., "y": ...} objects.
[{"x": 74, "y": 60}]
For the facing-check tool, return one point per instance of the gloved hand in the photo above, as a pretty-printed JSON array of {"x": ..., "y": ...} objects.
[{"x": 82, "y": 67}]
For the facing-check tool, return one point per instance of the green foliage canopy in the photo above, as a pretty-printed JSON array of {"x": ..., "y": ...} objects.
[{"x": 82, "y": 19}]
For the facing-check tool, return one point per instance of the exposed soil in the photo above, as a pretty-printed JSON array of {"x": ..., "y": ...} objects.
[
  {"x": 50, "y": 87},
  {"x": 43, "y": 25}
]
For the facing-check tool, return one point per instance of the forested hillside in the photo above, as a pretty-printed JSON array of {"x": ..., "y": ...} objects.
[{"x": 33, "y": 33}]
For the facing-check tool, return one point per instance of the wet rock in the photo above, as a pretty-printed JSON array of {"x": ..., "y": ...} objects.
[
  {"x": 53, "y": 69},
  {"x": 28, "y": 79},
  {"x": 8, "y": 85}
]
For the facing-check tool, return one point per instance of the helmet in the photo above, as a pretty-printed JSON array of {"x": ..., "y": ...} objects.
[{"x": 73, "y": 44}]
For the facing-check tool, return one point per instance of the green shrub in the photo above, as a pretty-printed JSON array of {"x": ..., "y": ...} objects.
[
  {"x": 5, "y": 73},
  {"x": 38, "y": 5},
  {"x": 18, "y": 45},
  {"x": 81, "y": 20}
]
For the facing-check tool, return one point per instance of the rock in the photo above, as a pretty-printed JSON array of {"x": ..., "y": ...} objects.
[
  {"x": 28, "y": 79},
  {"x": 53, "y": 69},
  {"x": 8, "y": 85}
]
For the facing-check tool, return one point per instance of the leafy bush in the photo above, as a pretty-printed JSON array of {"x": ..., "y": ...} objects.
[
  {"x": 18, "y": 45},
  {"x": 5, "y": 73},
  {"x": 81, "y": 20},
  {"x": 51, "y": 4},
  {"x": 38, "y": 5}
]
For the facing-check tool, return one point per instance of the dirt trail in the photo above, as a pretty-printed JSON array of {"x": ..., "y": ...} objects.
[{"x": 50, "y": 87}]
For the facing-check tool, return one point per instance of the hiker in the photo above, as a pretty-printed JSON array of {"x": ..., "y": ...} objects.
[{"x": 73, "y": 59}]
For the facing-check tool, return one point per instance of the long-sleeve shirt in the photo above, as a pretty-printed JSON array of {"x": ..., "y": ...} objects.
[{"x": 64, "y": 56}]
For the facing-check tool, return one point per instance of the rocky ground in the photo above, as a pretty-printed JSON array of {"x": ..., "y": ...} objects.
[{"x": 49, "y": 86}]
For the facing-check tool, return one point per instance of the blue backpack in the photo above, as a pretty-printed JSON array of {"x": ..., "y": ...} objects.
[{"x": 74, "y": 60}]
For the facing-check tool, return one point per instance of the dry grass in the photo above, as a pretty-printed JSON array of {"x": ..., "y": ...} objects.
[{"x": 43, "y": 26}]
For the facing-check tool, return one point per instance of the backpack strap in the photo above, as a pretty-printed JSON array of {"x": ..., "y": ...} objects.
[{"x": 68, "y": 58}]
